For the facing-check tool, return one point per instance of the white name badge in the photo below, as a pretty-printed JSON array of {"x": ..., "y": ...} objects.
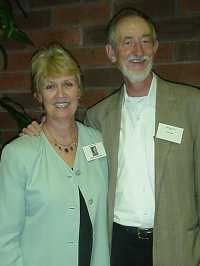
[
  {"x": 94, "y": 151},
  {"x": 170, "y": 133}
]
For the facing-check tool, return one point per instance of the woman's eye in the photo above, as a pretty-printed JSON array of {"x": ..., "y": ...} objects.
[
  {"x": 68, "y": 84},
  {"x": 50, "y": 86}
]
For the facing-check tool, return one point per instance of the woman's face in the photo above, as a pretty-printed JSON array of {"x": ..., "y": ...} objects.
[{"x": 59, "y": 96}]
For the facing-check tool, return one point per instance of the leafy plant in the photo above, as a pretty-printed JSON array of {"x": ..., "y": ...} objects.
[
  {"x": 8, "y": 28},
  {"x": 10, "y": 31},
  {"x": 16, "y": 111}
]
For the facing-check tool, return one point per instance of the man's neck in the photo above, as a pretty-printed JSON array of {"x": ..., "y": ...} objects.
[{"x": 138, "y": 89}]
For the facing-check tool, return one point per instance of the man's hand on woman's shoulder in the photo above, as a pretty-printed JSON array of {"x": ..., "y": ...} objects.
[{"x": 33, "y": 129}]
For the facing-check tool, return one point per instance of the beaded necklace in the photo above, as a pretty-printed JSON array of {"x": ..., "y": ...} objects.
[{"x": 61, "y": 147}]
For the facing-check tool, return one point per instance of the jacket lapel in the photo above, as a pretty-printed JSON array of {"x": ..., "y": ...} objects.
[
  {"x": 112, "y": 123},
  {"x": 165, "y": 113}
]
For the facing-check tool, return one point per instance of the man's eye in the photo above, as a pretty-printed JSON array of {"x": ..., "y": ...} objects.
[
  {"x": 146, "y": 41},
  {"x": 127, "y": 42}
]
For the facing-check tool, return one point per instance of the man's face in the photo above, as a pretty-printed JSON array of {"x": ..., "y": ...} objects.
[{"x": 135, "y": 48}]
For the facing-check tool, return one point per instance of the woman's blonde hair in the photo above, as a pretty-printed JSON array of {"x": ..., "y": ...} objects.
[{"x": 52, "y": 61}]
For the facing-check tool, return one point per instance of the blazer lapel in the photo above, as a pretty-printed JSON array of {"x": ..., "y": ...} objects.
[
  {"x": 112, "y": 123},
  {"x": 165, "y": 113},
  {"x": 111, "y": 126}
]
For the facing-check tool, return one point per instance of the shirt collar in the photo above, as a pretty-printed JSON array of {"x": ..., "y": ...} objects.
[{"x": 150, "y": 99}]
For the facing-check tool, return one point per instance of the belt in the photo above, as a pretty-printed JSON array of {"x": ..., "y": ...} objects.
[{"x": 140, "y": 233}]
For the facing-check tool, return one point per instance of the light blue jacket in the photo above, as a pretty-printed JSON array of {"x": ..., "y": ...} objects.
[{"x": 39, "y": 203}]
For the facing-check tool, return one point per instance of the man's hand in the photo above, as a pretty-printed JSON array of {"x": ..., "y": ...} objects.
[{"x": 33, "y": 129}]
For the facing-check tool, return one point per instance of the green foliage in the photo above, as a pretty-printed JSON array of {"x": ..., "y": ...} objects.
[
  {"x": 8, "y": 28},
  {"x": 16, "y": 111},
  {"x": 9, "y": 31}
]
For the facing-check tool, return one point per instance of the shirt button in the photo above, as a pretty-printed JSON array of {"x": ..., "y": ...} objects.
[
  {"x": 90, "y": 201},
  {"x": 70, "y": 242},
  {"x": 78, "y": 172},
  {"x": 71, "y": 208}
]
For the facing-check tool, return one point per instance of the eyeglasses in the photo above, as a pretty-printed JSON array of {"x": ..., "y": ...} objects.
[{"x": 145, "y": 42}]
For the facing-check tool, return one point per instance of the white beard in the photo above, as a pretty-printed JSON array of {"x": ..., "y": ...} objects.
[{"x": 137, "y": 76}]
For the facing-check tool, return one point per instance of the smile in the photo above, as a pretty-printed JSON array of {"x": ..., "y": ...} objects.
[
  {"x": 62, "y": 104},
  {"x": 136, "y": 59}
]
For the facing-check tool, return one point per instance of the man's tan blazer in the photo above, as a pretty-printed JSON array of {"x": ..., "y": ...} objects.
[{"x": 176, "y": 240}]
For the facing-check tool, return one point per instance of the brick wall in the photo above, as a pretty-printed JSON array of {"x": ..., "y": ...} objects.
[{"x": 80, "y": 26}]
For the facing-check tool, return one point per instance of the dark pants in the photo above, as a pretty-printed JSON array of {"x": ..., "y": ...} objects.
[{"x": 129, "y": 250}]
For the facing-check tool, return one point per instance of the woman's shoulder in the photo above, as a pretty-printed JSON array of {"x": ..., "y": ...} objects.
[
  {"x": 24, "y": 145},
  {"x": 93, "y": 133}
]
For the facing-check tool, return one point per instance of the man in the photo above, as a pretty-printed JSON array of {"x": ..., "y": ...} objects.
[{"x": 151, "y": 131}]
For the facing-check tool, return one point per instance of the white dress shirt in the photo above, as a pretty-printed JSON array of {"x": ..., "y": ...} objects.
[{"x": 135, "y": 197}]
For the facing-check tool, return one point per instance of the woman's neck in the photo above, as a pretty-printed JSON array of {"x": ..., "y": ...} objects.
[{"x": 64, "y": 133}]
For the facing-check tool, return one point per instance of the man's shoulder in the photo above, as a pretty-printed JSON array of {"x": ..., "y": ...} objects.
[
  {"x": 181, "y": 89},
  {"x": 107, "y": 102},
  {"x": 186, "y": 97},
  {"x": 97, "y": 113}
]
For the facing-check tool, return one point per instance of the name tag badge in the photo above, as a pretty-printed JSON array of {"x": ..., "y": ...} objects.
[
  {"x": 170, "y": 133},
  {"x": 94, "y": 151}
]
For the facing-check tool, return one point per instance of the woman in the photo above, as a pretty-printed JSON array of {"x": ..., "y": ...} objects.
[{"x": 52, "y": 188}]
